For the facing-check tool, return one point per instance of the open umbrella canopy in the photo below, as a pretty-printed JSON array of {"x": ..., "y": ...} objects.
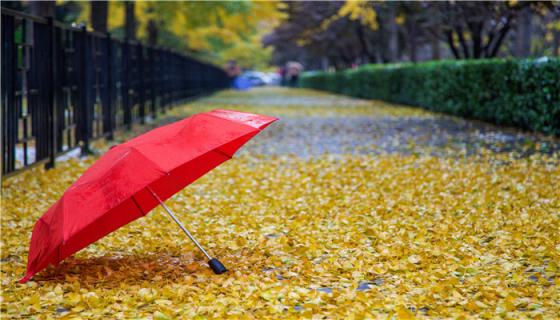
[{"x": 134, "y": 177}]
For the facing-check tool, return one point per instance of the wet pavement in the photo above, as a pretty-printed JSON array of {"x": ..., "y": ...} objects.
[{"x": 315, "y": 123}]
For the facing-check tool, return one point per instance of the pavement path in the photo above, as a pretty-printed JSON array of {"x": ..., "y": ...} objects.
[
  {"x": 344, "y": 208},
  {"x": 314, "y": 123}
]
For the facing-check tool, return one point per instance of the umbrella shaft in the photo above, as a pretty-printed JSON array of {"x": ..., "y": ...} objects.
[
  {"x": 185, "y": 230},
  {"x": 180, "y": 225}
]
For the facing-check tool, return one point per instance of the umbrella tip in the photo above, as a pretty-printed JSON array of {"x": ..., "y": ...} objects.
[
  {"x": 25, "y": 279},
  {"x": 217, "y": 266}
]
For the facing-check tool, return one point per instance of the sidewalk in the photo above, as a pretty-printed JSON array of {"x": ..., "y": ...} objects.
[{"x": 342, "y": 208}]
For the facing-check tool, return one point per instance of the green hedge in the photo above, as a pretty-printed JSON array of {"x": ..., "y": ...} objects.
[{"x": 521, "y": 93}]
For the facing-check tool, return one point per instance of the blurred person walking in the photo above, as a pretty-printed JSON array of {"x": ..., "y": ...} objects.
[
  {"x": 233, "y": 71},
  {"x": 282, "y": 72},
  {"x": 293, "y": 70}
]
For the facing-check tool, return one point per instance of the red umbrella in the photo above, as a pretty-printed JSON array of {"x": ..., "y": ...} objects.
[{"x": 134, "y": 177}]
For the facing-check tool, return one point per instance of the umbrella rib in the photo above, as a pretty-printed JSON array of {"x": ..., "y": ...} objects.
[
  {"x": 137, "y": 205},
  {"x": 218, "y": 150}
]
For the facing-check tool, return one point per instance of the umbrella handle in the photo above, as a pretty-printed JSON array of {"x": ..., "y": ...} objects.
[
  {"x": 214, "y": 263},
  {"x": 217, "y": 266}
]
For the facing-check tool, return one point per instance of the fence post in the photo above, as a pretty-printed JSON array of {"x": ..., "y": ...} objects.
[
  {"x": 109, "y": 89},
  {"x": 9, "y": 113},
  {"x": 156, "y": 76},
  {"x": 141, "y": 88},
  {"x": 51, "y": 87},
  {"x": 84, "y": 96},
  {"x": 152, "y": 82},
  {"x": 164, "y": 82},
  {"x": 124, "y": 85}
]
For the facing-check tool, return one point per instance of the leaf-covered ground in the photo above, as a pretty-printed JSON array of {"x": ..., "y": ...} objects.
[{"x": 344, "y": 208}]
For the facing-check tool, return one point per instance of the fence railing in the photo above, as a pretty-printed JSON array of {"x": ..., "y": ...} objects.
[{"x": 63, "y": 87}]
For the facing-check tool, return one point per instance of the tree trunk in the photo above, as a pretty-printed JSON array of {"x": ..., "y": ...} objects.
[
  {"x": 130, "y": 21},
  {"x": 501, "y": 36},
  {"x": 363, "y": 44},
  {"x": 462, "y": 42},
  {"x": 43, "y": 8},
  {"x": 434, "y": 42},
  {"x": 476, "y": 35},
  {"x": 412, "y": 41},
  {"x": 153, "y": 32},
  {"x": 524, "y": 30},
  {"x": 556, "y": 43},
  {"x": 451, "y": 43},
  {"x": 392, "y": 32},
  {"x": 325, "y": 63},
  {"x": 98, "y": 15},
  {"x": 14, "y": 5},
  {"x": 346, "y": 56},
  {"x": 383, "y": 47}
]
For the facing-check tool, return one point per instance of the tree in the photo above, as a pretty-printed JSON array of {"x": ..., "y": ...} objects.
[
  {"x": 477, "y": 29},
  {"x": 215, "y": 31},
  {"x": 14, "y": 5},
  {"x": 523, "y": 39},
  {"x": 351, "y": 32},
  {"x": 225, "y": 31},
  {"x": 98, "y": 15},
  {"x": 319, "y": 33},
  {"x": 363, "y": 12},
  {"x": 392, "y": 35},
  {"x": 153, "y": 31},
  {"x": 130, "y": 21},
  {"x": 434, "y": 43},
  {"x": 554, "y": 29},
  {"x": 411, "y": 14},
  {"x": 43, "y": 8},
  {"x": 556, "y": 43}
]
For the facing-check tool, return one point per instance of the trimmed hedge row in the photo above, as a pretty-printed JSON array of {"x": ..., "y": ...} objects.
[{"x": 521, "y": 93}]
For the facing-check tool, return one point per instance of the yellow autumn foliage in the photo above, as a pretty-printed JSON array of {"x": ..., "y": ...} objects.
[
  {"x": 216, "y": 31},
  {"x": 361, "y": 10}
]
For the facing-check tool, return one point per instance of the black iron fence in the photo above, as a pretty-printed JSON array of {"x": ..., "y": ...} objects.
[{"x": 63, "y": 87}]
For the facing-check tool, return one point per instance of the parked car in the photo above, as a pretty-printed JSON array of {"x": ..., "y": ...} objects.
[
  {"x": 255, "y": 78},
  {"x": 272, "y": 78}
]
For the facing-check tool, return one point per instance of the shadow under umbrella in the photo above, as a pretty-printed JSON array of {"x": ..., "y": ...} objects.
[{"x": 113, "y": 269}]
